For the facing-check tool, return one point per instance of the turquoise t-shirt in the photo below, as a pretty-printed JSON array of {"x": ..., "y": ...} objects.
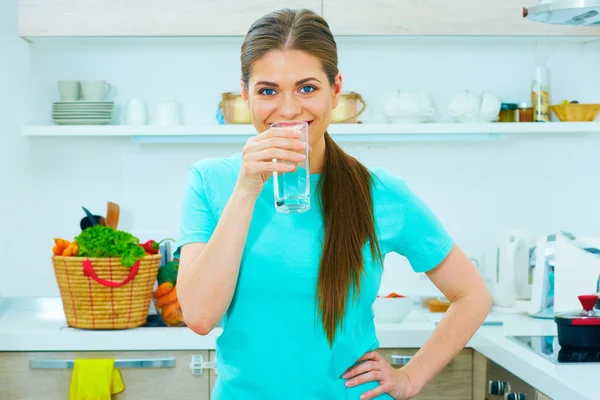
[{"x": 273, "y": 344}]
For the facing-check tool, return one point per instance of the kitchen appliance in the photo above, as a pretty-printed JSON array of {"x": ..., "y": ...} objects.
[
  {"x": 577, "y": 270},
  {"x": 549, "y": 348},
  {"x": 580, "y": 329},
  {"x": 565, "y": 12},
  {"x": 509, "y": 273}
]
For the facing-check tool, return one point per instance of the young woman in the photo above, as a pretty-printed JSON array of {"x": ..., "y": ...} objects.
[{"x": 295, "y": 292}]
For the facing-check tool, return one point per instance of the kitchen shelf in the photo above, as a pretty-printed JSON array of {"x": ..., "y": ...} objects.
[{"x": 341, "y": 132}]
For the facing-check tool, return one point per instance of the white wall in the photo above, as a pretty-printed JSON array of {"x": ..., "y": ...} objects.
[{"x": 479, "y": 189}]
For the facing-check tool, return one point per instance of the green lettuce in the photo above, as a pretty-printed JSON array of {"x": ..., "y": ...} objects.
[{"x": 103, "y": 241}]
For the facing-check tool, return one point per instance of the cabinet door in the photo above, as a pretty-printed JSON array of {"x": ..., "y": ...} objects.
[
  {"x": 19, "y": 382},
  {"x": 453, "y": 383},
  {"x": 146, "y": 17},
  {"x": 438, "y": 17}
]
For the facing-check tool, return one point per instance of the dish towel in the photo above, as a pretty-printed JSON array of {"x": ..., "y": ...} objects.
[{"x": 95, "y": 379}]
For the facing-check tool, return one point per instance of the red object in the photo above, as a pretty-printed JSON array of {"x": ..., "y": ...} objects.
[
  {"x": 89, "y": 272},
  {"x": 152, "y": 246},
  {"x": 588, "y": 301},
  {"x": 393, "y": 295}
]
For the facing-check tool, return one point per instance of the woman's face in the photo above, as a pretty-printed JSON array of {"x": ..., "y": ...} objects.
[{"x": 291, "y": 85}]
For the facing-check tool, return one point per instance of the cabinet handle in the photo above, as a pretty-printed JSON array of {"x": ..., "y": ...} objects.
[
  {"x": 198, "y": 365},
  {"x": 499, "y": 388},
  {"x": 515, "y": 396},
  {"x": 168, "y": 362},
  {"x": 400, "y": 361}
]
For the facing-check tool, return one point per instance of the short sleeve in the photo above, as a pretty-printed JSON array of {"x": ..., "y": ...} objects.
[
  {"x": 417, "y": 233},
  {"x": 197, "y": 221}
]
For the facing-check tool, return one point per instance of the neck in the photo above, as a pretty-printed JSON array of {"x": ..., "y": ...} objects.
[{"x": 317, "y": 157}]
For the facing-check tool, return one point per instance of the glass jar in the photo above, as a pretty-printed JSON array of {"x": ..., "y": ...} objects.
[
  {"x": 525, "y": 112},
  {"x": 508, "y": 112}
]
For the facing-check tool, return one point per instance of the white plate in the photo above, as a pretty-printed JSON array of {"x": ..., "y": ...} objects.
[
  {"x": 83, "y": 102},
  {"x": 74, "y": 114},
  {"x": 82, "y": 121},
  {"x": 82, "y": 108}
]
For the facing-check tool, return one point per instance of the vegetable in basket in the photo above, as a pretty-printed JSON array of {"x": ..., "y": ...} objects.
[
  {"x": 63, "y": 247},
  {"x": 103, "y": 241},
  {"x": 152, "y": 246}
]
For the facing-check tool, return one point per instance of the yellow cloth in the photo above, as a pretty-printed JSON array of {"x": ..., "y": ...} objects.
[{"x": 95, "y": 379}]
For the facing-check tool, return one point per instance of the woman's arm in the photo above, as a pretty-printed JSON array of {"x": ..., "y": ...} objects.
[
  {"x": 458, "y": 279},
  {"x": 208, "y": 272}
]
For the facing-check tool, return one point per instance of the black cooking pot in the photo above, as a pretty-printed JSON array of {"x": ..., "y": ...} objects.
[{"x": 580, "y": 329}]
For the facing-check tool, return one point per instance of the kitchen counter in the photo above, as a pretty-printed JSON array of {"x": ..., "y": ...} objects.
[{"x": 39, "y": 325}]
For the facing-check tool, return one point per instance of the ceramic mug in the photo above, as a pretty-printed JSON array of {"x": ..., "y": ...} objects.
[
  {"x": 69, "y": 90},
  {"x": 94, "y": 90}
]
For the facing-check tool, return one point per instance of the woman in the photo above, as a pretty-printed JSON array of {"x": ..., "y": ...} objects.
[{"x": 295, "y": 292}]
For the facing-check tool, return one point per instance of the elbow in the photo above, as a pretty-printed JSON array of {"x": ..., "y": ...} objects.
[
  {"x": 198, "y": 325},
  {"x": 486, "y": 299},
  {"x": 200, "y": 328}
]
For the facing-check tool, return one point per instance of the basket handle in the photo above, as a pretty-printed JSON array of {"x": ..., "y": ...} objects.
[{"x": 88, "y": 271}]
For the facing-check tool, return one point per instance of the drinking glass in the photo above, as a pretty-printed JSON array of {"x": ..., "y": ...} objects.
[{"x": 292, "y": 188}]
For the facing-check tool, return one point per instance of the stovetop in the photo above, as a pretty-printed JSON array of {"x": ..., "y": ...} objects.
[{"x": 548, "y": 347}]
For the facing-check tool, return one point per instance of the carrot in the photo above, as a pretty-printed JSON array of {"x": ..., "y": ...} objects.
[
  {"x": 163, "y": 289},
  {"x": 166, "y": 299},
  {"x": 60, "y": 246},
  {"x": 171, "y": 314}
]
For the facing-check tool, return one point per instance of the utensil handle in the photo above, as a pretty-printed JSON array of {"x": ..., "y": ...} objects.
[{"x": 88, "y": 271}]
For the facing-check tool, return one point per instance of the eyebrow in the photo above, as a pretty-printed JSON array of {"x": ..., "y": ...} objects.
[{"x": 300, "y": 82}]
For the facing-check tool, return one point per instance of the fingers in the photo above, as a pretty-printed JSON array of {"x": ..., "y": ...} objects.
[
  {"x": 255, "y": 168},
  {"x": 371, "y": 394},
  {"x": 278, "y": 132},
  {"x": 374, "y": 375},
  {"x": 371, "y": 355},
  {"x": 270, "y": 154},
  {"x": 360, "y": 369}
]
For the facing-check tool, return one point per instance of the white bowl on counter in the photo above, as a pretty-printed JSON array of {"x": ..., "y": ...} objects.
[{"x": 392, "y": 309}]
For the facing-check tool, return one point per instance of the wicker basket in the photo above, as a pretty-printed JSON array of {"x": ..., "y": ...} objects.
[
  {"x": 100, "y": 293},
  {"x": 576, "y": 112}
]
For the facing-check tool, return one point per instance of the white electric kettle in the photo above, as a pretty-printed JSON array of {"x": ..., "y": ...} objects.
[{"x": 509, "y": 274}]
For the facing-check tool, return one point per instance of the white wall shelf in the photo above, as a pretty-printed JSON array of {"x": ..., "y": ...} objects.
[{"x": 342, "y": 132}]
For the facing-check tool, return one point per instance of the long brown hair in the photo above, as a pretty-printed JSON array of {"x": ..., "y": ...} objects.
[{"x": 345, "y": 184}]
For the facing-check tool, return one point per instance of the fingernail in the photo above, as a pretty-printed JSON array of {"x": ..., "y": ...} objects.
[{"x": 347, "y": 383}]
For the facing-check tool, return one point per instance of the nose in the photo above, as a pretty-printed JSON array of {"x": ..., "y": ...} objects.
[{"x": 289, "y": 107}]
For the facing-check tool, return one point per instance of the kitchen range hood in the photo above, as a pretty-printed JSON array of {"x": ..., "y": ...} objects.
[{"x": 565, "y": 12}]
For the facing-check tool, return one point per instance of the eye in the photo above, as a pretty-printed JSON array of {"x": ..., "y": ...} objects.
[
  {"x": 267, "y": 91},
  {"x": 307, "y": 89}
]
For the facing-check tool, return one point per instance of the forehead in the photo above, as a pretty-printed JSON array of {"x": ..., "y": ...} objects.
[{"x": 283, "y": 66}]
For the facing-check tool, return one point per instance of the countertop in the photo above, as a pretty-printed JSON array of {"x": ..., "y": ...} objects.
[{"x": 38, "y": 324}]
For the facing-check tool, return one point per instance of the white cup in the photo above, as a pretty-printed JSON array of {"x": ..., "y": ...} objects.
[
  {"x": 167, "y": 114},
  {"x": 69, "y": 90},
  {"x": 94, "y": 90},
  {"x": 135, "y": 113}
]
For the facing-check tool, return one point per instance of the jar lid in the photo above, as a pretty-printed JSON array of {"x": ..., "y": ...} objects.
[
  {"x": 587, "y": 317},
  {"x": 525, "y": 105},
  {"x": 508, "y": 106}
]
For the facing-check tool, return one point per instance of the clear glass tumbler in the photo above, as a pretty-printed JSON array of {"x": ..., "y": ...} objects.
[{"x": 292, "y": 189}]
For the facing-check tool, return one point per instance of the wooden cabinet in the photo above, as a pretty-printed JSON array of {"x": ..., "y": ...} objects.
[
  {"x": 453, "y": 383},
  {"x": 439, "y": 17},
  {"x": 146, "y": 17},
  {"x": 20, "y": 382}
]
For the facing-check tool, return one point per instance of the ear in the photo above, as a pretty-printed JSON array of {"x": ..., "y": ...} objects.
[
  {"x": 337, "y": 90},
  {"x": 244, "y": 91}
]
